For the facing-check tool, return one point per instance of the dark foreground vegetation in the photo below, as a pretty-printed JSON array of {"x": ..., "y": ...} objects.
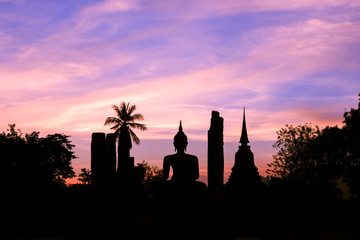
[{"x": 312, "y": 192}]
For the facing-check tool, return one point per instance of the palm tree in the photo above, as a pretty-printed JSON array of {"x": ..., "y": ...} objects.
[
  {"x": 125, "y": 120},
  {"x": 122, "y": 125}
]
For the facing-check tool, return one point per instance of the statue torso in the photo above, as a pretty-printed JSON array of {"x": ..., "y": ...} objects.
[{"x": 185, "y": 167}]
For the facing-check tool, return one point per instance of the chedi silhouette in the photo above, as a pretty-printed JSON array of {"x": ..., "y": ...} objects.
[{"x": 244, "y": 172}]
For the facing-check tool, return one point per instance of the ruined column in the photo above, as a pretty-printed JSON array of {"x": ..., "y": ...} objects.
[
  {"x": 125, "y": 163},
  {"x": 110, "y": 153},
  {"x": 98, "y": 153},
  {"x": 103, "y": 159},
  {"x": 216, "y": 152},
  {"x": 110, "y": 159}
]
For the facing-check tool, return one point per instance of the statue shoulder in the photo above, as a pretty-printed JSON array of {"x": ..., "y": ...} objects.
[
  {"x": 191, "y": 156},
  {"x": 169, "y": 157}
]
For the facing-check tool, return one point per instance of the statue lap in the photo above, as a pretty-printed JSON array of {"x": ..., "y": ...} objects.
[{"x": 183, "y": 186}]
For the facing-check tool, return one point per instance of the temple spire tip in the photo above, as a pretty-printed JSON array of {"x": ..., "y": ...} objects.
[{"x": 244, "y": 137}]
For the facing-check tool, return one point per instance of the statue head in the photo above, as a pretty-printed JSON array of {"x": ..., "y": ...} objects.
[{"x": 180, "y": 140}]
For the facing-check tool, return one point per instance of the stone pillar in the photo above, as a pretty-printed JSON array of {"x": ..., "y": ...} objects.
[
  {"x": 216, "y": 152},
  {"x": 124, "y": 152},
  {"x": 110, "y": 158},
  {"x": 103, "y": 159},
  {"x": 98, "y": 153},
  {"x": 110, "y": 153}
]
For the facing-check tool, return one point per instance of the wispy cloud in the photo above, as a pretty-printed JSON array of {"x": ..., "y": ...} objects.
[{"x": 94, "y": 15}]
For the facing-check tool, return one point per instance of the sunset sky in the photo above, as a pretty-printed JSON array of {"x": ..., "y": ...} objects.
[{"x": 65, "y": 63}]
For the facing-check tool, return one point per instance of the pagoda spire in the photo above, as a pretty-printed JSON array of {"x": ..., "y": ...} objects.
[
  {"x": 180, "y": 127},
  {"x": 244, "y": 137}
]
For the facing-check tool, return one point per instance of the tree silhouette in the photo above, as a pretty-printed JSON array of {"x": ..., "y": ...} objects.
[
  {"x": 85, "y": 176},
  {"x": 34, "y": 160},
  {"x": 311, "y": 156},
  {"x": 320, "y": 157},
  {"x": 294, "y": 156},
  {"x": 125, "y": 121},
  {"x": 352, "y": 143},
  {"x": 33, "y": 173},
  {"x": 153, "y": 175}
]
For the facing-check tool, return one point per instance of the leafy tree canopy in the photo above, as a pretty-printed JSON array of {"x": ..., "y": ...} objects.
[
  {"x": 153, "y": 175},
  {"x": 85, "y": 176},
  {"x": 35, "y": 161},
  {"x": 320, "y": 157}
]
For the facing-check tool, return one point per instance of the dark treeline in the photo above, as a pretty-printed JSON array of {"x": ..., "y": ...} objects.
[
  {"x": 314, "y": 179},
  {"x": 312, "y": 191},
  {"x": 323, "y": 158},
  {"x": 33, "y": 171}
]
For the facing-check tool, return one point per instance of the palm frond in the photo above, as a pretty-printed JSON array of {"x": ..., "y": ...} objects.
[
  {"x": 116, "y": 109},
  {"x": 111, "y": 120},
  {"x": 131, "y": 109},
  {"x": 117, "y": 126},
  {"x": 134, "y": 137},
  {"x": 123, "y": 110},
  {"x": 137, "y": 116},
  {"x": 125, "y": 120},
  {"x": 140, "y": 126}
]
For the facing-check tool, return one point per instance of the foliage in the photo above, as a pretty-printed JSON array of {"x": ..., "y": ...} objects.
[
  {"x": 153, "y": 175},
  {"x": 352, "y": 143},
  {"x": 85, "y": 176},
  {"x": 293, "y": 145},
  {"x": 126, "y": 120},
  {"x": 33, "y": 160},
  {"x": 320, "y": 157}
]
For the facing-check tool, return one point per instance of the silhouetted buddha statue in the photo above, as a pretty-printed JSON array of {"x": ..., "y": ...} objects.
[
  {"x": 185, "y": 171},
  {"x": 185, "y": 166}
]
